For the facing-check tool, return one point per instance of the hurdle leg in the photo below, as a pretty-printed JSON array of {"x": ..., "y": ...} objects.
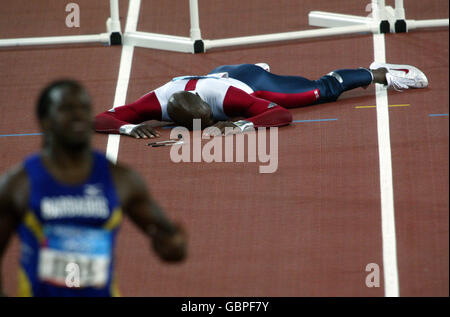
[
  {"x": 113, "y": 23},
  {"x": 400, "y": 23},
  {"x": 196, "y": 36}
]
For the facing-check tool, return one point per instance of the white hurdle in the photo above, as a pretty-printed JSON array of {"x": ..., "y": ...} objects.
[
  {"x": 192, "y": 44},
  {"x": 112, "y": 36},
  {"x": 391, "y": 19},
  {"x": 384, "y": 19}
]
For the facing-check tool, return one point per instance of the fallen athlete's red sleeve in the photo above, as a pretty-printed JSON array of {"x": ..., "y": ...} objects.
[
  {"x": 263, "y": 113},
  {"x": 145, "y": 108}
]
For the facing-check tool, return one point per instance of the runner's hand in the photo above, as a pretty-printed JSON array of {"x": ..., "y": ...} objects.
[{"x": 171, "y": 247}]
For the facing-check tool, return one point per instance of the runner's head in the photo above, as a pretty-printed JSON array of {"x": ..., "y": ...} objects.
[
  {"x": 65, "y": 114},
  {"x": 183, "y": 107}
]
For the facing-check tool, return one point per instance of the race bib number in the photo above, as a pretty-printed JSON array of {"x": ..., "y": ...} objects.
[{"x": 85, "y": 251}]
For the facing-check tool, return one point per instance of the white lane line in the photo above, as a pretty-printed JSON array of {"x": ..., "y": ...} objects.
[
  {"x": 390, "y": 268},
  {"x": 126, "y": 59}
]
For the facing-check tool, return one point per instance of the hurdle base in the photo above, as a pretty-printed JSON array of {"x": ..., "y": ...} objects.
[
  {"x": 331, "y": 20},
  {"x": 287, "y": 36}
]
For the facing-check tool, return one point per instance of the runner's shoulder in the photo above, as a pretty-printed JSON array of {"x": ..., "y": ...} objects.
[
  {"x": 14, "y": 179},
  {"x": 15, "y": 187},
  {"x": 127, "y": 181}
]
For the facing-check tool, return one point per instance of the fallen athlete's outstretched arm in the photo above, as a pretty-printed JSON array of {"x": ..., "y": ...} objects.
[
  {"x": 14, "y": 192},
  {"x": 128, "y": 119},
  {"x": 169, "y": 240}
]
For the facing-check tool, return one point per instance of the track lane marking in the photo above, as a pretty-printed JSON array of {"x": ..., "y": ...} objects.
[
  {"x": 126, "y": 59},
  {"x": 390, "y": 266},
  {"x": 438, "y": 115},
  {"x": 364, "y": 107},
  {"x": 19, "y": 134},
  {"x": 314, "y": 120}
]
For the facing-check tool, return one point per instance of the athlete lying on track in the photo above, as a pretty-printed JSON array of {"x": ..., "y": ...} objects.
[{"x": 246, "y": 90}]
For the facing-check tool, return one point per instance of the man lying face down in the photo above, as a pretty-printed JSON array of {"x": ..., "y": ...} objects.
[{"x": 249, "y": 91}]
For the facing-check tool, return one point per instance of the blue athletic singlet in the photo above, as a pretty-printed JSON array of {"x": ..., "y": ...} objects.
[{"x": 68, "y": 233}]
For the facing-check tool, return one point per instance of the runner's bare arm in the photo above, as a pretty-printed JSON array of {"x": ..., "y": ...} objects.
[
  {"x": 14, "y": 191},
  {"x": 169, "y": 240}
]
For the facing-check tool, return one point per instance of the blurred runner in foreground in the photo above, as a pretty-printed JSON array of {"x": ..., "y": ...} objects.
[{"x": 67, "y": 203}]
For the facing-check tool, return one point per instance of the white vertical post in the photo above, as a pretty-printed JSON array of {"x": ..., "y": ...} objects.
[
  {"x": 379, "y": 10},
  {"x": 195, "y": 25},
  {"x": 399, "y": 10},
  {"x": 114, "y": 22}
]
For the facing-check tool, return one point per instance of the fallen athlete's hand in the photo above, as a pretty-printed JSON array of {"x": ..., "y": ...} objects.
[
  {"x": 219, "y": 129},
  {"x": 144, "y": 130}
]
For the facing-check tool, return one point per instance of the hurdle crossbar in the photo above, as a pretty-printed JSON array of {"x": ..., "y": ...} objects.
[
  {"x": 391, "y": 19},
  {"x": 384, "y": 19},
  {"x": 112, "y": 36},
  {"x": 286, "y": 36}
]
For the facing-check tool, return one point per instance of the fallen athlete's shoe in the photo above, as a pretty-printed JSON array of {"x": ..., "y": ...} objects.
[
  {"x": 401, "y": 77},
  {"x": 264, "y": 66}
]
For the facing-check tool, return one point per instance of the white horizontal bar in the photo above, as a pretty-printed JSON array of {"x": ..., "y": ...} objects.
[
  {"x": 329, "y": 19},
  {"x": 247, "y": 40},
  {"x": 416, "y": 24},
  {"x": 52, "y": 40},
  {"x": 159, "y": 41}
]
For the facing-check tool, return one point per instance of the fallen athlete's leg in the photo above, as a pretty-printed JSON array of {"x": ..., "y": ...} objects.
[
  {"x": 286, "y": 91},
  {"x": 399, "y": 77},
  {"x": 296, "y": 91},
  {"x": 333, "y": 84}
]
